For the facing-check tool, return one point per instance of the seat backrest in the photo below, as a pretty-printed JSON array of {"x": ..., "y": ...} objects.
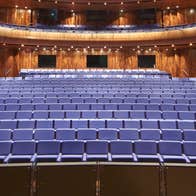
[
  {"x": 22, "y": 134},
  {"x": 189, "y": 135},
  {"x": 87, "y": 134},
  {"x": 145, "y": 147},
  {"x": 65, "y": 134},
  {"x": 121, "y": 147},
  {"x": 23, "y": 148},
  {"x": 170, "y": 148},
  {"x": 5, "y": 134},
  {"x": 72, "y": 147},
  {"x": 48, "y": 147},
  {"x": 150, "y": 134},
  {"x": 128, "y": 134},
  {"x": 107, "y": 134},
  {"x": 96, "y": 147},
  {"x": 44, "y": 134},
  {"x": 5, "y": 147},
  {"x": 189, "y": 148},
  {"x": 174, "y": 135}
]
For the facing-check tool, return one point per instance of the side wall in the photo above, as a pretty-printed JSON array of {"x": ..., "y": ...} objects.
[
  {"x": 180, "y": 63},
  {"x": 164, "y": 17}
]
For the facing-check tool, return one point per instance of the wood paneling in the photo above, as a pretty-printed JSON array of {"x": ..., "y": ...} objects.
[
  {"x": 8, "y": 62},
  {"x": 180, "y": 63},
  {"x": 176, "y": 17},
  {"x": 160, "y": 36},
  {"x": 16, "y": 16}
]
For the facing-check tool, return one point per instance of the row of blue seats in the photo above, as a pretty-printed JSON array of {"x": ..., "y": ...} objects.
[
  {"x": 47, "y": 151},
  {"x": 98, "y": 123},
  {"x": 98, "y": 106},
  {"x": 132, "y": 88},
  {"x": 96, "y": 100},
  {"x": 102, "y": 114},
  {"x": 98, "y": 134},
  {"x": 120, "y": 95},
  {"x": 100, "y": 90}
]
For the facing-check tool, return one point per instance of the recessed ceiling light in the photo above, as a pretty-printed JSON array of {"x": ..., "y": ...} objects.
[{"x": 192, "y": 11}]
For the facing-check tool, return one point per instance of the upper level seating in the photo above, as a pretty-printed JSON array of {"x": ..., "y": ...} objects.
[
  {"x": 90, "y": 119},
  {"x": 85, "y": 28}
]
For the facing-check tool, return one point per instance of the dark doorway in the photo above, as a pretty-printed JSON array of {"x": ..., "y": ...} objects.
[
  {"x": 146, "y": 61},
  {"x": 97, "y": 61},
  {"x": 47, "y": 61}
]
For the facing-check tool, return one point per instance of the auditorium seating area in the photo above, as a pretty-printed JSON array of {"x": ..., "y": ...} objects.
[{"x": 97, "y": 119}]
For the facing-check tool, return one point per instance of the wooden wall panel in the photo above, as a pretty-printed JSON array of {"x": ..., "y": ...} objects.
[
  {"x": 18, "y": 16},
  {"x": 176, "y": 17},
  {"x": 8, "y": 62}
]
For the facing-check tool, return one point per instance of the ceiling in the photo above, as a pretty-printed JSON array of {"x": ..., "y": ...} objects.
[{"x": 98, "y": 4}]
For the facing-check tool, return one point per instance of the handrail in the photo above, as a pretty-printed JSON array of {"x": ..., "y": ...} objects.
[{"x": 186, "y": 73}]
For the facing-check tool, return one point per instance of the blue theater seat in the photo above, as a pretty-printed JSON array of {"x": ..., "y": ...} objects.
[
  {"x": 97, "y": 151},
  {"x": 114, "y": 123},
  {"x": 57, "y": 114},
  {"x": 22, "y": 134},
  {"x": 128, "y": 134},
  {"x": 187, "y": 115},
  {"x": 97, "y": 124},
  {"x": 121, "y": 114},
  {"x": 62, "y": 124},
  {"x": 107, "y": 134},
  {"x": 44, "y": 134},
  {"x": 82, "y": 123},
  {"x": 5, "y": 134},
  {"x": 73, "y": 114},
  {"x": 186, "y": 124},
  {"x": 22, "y": 151},
  {"x": 189, "y": 135},
  {"x": 168, "y": 124},
  {"x": 146, "y": 151},
  {"x": 105, "y": 114},
  {"x": 44, "y": 124},
  {"x": 190, "y": 150},
  {"x": 168, "y": 115},
  {"x": 72, "y": 151},
  {"x": 65, "y": 134},
  {"x": 174, "y": 135},
  {"x": 171, "y": 151},
  {"x": 132, "y": 124},
  {"x": 89, "y": 114},
  {"x": 40, "y": 115},
  {"x": 153, "y": 115},
  {"x": 83, "y": 106},
  {"x": 8, "y": 124},
  {"x": 47, "y": 151},
  {"x": 150, "y": 124},
  {"x": 137, "y": 115},
  {"x": 7, "y": 115},
  {"x": 121, "y": 151},
  {"x": 5, "y": 150},
  {"x": 41, "y": 106},
  {"x": 24, "y": 115},
  {"x": 150, "y": 134},
  {"x": 87, "y": 134}
]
